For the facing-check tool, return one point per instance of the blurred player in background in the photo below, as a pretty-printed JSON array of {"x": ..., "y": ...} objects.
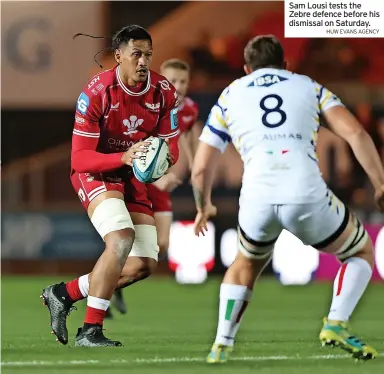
[
  {"x": 178, "y": 73},
  {"x": 272, "y": 116},
  {"x": 117, "y": 110}
]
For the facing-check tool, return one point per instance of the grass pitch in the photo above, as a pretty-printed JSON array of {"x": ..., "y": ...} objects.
[{"x": 169, "y": 328}]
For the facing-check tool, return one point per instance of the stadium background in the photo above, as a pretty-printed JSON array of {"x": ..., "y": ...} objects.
[
  {"x": 45, "y": 230},
  {"x": 46, "y": 236}
]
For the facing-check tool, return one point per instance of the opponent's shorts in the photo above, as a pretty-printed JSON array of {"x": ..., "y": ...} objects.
[
  {"x": 161, "y": 200},
  {"x": 315, "y": 224},
  {"x": 90, "y": 185}
]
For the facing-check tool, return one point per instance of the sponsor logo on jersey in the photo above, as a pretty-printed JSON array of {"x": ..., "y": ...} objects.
[
  {"x": 82, "y": 103},
  {"x": 132, "y": 124},
  {"x": 165, "y": 85},
  {"x": 174, "y": 120},
  {"x": 115, "y": 107},
  {"x": 93, "y": 81},
  {"x": 79, "y": 120},
  {"x": 267, "y": 80},
  {"x": 281, "y": 136},
  {"x": 154, "y": 107},
  {"x": 98, "y": 88},
  {"x": 90, "y": 177},
  {"x": 120, "y": 145}
]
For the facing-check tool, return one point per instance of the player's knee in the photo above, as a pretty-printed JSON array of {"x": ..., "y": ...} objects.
[
  {"x": 111, "y": 215},
  {"x": 145, "y": 244},
  {"x": 254, "y": 250},
  {"x": 366, "y": 252},
  {"x": 357, "y": 244},
  {"x": 120, "y": 243}
]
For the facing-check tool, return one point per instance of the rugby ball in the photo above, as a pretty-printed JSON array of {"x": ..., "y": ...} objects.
[{"x": 152, "y": 165}]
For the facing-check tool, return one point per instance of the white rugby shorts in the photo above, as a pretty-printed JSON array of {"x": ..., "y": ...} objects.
[{"x": 315, "y": 224}]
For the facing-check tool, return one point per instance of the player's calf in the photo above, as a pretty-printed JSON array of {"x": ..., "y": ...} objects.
[
  {"x": 142, "y": 260},
  {"x": 236, "y": 292},
  {"x": 353, "y": 247},
  {"x": 135, "y": 270},
  {"x": 113, "y": 222}
]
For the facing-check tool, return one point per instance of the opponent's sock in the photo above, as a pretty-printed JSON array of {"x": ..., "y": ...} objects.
[
  {"x": 95, "y": 312},
  {"x": 350, "y": 283},
  {"x": 233, "y": 302},
  {"x": 77, "y": 289}
]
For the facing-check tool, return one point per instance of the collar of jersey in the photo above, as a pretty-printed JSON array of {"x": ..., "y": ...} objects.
[{"x": 128, "y": 91}]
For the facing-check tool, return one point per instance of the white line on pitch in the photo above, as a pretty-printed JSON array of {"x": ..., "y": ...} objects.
[{"x": 165, "y": 360}]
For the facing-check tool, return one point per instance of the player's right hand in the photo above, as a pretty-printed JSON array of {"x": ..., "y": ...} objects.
[
  {"x": 134, "y": 152},
  {"x": 168, "y": 182},
  {"x": 379, "y": 198},
  {"x": 202, "y": 218}
]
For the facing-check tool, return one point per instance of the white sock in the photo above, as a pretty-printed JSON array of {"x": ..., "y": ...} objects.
[
  {"x": 97, "y": 303},
  {"x": 233, "y": 301},
  {"x": 84, "y": 285},
  {"x": 350, "y": 283}
]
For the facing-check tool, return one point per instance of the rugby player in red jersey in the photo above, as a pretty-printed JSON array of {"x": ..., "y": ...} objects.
[
  {"x": 117, "y": 110},
  {"x": 178, "y": 73}
]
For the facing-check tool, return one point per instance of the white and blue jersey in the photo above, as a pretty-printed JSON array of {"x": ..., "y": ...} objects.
[{"x": 272, "y": 117}]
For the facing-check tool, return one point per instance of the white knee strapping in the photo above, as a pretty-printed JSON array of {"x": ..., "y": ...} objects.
[
  {"x": 251, "y": 251},
  {"x": 111, "y": 215},
  {"x": 145, "y": 244},
  {"x": 355, "y": 241}
]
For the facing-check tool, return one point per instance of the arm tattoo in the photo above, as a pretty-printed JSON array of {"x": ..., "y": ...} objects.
[{"x": 199, "y": 199}]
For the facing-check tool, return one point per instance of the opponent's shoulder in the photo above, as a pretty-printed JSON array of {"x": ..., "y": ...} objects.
[
  {"x": 228, "y": 91},
  {"x": 304, "y": 80}
]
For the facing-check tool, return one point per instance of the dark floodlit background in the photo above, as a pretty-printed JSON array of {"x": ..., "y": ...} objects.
[{"x": 45, "y": 230}]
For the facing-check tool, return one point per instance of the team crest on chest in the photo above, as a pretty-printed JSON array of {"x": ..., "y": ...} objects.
[
  {"x": 155, "y": 107},
  {"x": 132, "y": 124}
]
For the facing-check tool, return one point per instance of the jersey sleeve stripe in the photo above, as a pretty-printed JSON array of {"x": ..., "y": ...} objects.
[
  {"x": 328, "y": 95},
  {"x": 171, "y": 135},
  {"x": 320, "y": 93},
  {"x": 220, "y": 120},
  {"x": 86, "y": 134},
  {"x": 221, "y": 108},
  {"x": 212, "y": 139},
  {"x": 222, "y": 135}
]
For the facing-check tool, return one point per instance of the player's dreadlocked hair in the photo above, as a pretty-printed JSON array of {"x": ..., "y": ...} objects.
[
  {"x": 264, "y": 51},
  {"x": 122, "y": 37}
]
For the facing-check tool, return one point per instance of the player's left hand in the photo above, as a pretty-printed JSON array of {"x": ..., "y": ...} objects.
[{"x": 202, "y": 218}]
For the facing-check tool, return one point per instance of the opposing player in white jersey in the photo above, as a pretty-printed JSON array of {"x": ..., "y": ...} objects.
[{"x": 272, "y": 116}]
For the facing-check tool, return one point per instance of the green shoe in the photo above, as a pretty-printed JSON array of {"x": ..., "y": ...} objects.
[
  {"x": 336, "y": 333},
  {"x": 219, "y": 354}
]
